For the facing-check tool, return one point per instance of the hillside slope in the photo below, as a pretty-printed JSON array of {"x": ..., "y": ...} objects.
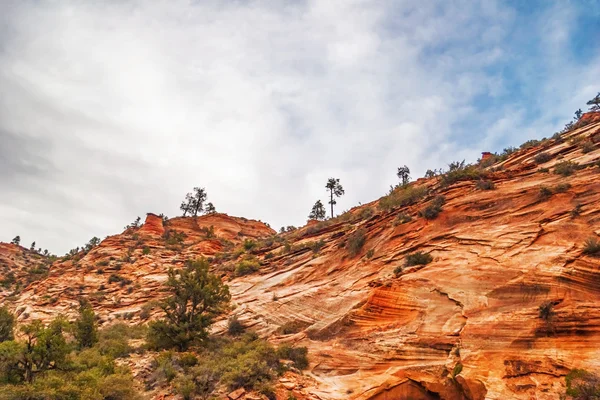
[{"x": 465, "y": 326}]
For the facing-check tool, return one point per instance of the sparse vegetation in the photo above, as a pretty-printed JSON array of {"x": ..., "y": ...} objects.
[
  {"x": 565, "y": 168},
  {"x": 246, "y": 267},
  {"x": 234, "y": 326},
  {"x": 418, "y": 258},
  {"x": 592, "y": 247},
  {"x": 542, "y": 158},
  {"x": 588, "y": 147},
  {"x": 291, "y": 327},
  {"x": 583, "y": 385},
  {"x": 402, "y": 218},
  {"x": 401, "y": 197},
  {"x": 459, "y": 171},
  {"x": 545, "y": 193},
  {"x": 485, "y": 185},
  {"x": 434, "y": 208},
  {"x": 356, "y": 241}
]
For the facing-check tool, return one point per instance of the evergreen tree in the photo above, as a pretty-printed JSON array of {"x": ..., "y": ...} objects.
[
  {"x": 404, "y": 175},
  {"x": 335, "y": 189},
  {"x": 578, "y": 114},
  {"x": 7, "y": 324},
  {"x": 594, "y": 103},
  {"x": 16, "y": 240},
  {"x": 197, "y": 297},
  {"x": 210, "y": 208},
  {"x": 44, "y": 348},
  {"x": 92, "y": 243},
  {"x": 194, "y": 202},
  {"x": 318, "y": 211},
  {"x": 32, "y": 247},
  {"x": 86, "y": 330}
]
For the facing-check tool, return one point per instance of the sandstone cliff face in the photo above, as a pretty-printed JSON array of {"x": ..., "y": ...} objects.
[
  {"x": 19, "y": 267},
  {"x": 465, "y": 326}
]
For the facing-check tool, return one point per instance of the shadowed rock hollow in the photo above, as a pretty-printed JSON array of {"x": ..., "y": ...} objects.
[{"x": 465, "y": 326}]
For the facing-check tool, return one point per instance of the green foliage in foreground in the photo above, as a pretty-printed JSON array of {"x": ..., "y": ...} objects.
[
  {"x": 247, "y": 362},
  {"x": 48, "y": 363}
]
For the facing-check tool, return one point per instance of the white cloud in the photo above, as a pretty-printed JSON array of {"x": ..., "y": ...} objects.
[{"x": 115, "y": 109}]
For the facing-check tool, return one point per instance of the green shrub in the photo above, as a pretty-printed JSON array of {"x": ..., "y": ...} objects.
[
  {"x": 545, "y": 193},
  {"x": 458, "y": 171},
  {"x": 102, "y": 263},
  {"x": 366, "y": 213},
  {"x": 402, "y": 218},
  {"x": 356, "y": 241},
  {"x": 398, "y": 270},
  {"x": 402, "y": 197},
  {"x": 588, "y": 147},
  {"x": 592, "y": 247},
  {"x": 485, "y": 185},
  {"x": 296, "y": 354},
  {"x": 582, "y": 385},
  {"x": 146, "y": 250},
  {"x": 561, "y": 188},
  {"x": 457, "y": 370},
  {"x": 434, "y": 208},
  {"x": 530, "y": 143},
  {"x": 565, "y": 168},
  {"x": 418, "y": 258},
  {"x": 370, "y": 253},
  {"x": 542, "y": 158},
  {"x": 291, "y": 327},
  {"x": 246, "y": 267},
  {"x": 544, "y": 170},
  {"x": 249, "y": 244},
  {"x": 185, "y": 386},
  {"x": 234, "y": 326},
  {"x": 317, "y": 246}
]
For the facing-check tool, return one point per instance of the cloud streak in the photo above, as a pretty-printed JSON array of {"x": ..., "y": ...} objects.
[{"x": 110, "y": 110}]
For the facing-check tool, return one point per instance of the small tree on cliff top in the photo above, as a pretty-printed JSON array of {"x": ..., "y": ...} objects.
[
  {"x": 210, "y": 208},
  {"x": 318, "y": 211},
  {"x": 404, "y": 175},
  {"x": 194, "y": 202},
  {"x": 197, "y": 297},
  {"x": 594, "y": 103},
  {"x": 335, "y": 189},
  {"x": 16, "y": 240}
]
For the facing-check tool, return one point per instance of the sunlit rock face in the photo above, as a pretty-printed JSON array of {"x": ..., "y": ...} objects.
[{"x": 465, "y": 326}]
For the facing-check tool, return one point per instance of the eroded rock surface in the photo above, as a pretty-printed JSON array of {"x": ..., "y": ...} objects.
[{"x": 465, "y": 326}]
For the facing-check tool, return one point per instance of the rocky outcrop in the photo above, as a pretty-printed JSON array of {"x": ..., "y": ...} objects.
[{"x": 465, "y": 326}]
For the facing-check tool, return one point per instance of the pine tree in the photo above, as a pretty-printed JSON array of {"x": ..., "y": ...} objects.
[
  {"x": 7, "y": 324},
  {"x": 404, "y": 175},
  {"x": 197, "y": 297},
  {"x": 210, "y": 208},
  {"x": 194, "y": 202},
  {"x": 595, "y": 103},
  {"x": 318, "y": 211},
  {"x": 86, "y": 330},
  {"x": 16, "y": 240},
  {"x": 335, "y": 189}
]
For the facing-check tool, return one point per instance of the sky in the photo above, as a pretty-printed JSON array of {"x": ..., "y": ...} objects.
[{"x": 112, "y": 109}]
